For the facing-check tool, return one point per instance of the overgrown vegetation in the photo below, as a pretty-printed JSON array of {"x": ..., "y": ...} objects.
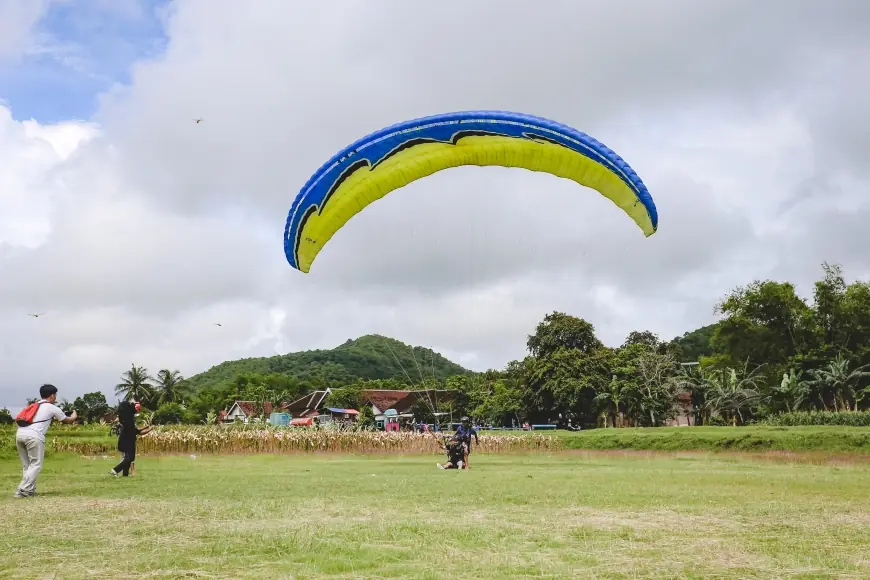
[
  {"x": 848, "y": 440},
  {"x": 807, "y": 418},
  {"x": 96, "y": 440},
  {"x": 772, "y": 352}
]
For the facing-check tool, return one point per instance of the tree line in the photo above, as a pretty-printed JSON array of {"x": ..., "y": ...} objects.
[{"x": 771, "y": 352}]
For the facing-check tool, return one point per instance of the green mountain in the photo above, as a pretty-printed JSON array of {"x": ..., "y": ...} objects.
[
  {"x": 697, "y": 343},
  {"x": 368, "y": 357},
  {"x": 378, "y": 357}
]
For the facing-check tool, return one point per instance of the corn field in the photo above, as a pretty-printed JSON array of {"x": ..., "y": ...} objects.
[
  {"x": 246, "y": 440},
  {"x": 264, "y": 440}
]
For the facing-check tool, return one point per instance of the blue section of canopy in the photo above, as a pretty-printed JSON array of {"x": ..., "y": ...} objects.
[{"x": 378, "y": 146}]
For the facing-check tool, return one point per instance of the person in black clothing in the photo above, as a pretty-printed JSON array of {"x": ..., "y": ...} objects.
[
  {"x": 457, "y": 454},
  {"x": 127, "y": 437},
  {"x": 465, "y": 432}
]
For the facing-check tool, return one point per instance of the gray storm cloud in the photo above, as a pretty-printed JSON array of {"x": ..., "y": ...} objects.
[{"x": 745, "y": 119}]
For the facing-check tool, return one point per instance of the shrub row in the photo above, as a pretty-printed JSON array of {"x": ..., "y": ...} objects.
[{"x": 810, "y": 418}]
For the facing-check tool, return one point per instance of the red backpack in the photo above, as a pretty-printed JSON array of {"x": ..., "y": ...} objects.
[{"x": 25, "y": 417}]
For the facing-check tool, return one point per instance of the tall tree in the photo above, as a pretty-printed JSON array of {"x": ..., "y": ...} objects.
[
  {"x": 502, "y": 403},
  {"x": 613, "y": 400},
  {"x": 732, "y": 392},
  {"x": 169, "y": 387},
  {"x": 135, "y": 385},
  {"x": 561, "y": 331},
  {"x": 91, "y": 406},
  {"x": 642, "y": 338},
  {"x": 656, "y": 389},
  {"x": 828, "y": 314},
  {"x": 856, "y": 316},
  {"x": 836, "y": 382},
  {"x": 566, "y": 383},
  {"x": 765, "y": 323}
]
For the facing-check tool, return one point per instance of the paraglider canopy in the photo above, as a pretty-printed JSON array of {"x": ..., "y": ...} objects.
[{"x": 395, "y": 156}]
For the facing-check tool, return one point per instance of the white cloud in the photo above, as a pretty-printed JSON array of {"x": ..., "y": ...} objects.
[
  {"x": 139, "y": 232},
  {"x": 17, "y": 21},
  {"x": 29, "y": 156}
]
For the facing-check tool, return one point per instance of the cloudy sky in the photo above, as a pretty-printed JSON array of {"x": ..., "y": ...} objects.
[{"x": 135, "y": 229}]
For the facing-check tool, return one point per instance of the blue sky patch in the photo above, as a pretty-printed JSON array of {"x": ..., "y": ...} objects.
[{"x": 84, "y": 47}]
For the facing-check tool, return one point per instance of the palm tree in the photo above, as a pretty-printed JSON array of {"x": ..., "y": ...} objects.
[
  {"x": 793, "y": 390},
  {"x": 169, "y": 387},
  {"x": 732, "y": 392},
  {"x": 135, "y": 385},
  {"x": 841, "y": 383},
  {"x": 615, "y": 394}
]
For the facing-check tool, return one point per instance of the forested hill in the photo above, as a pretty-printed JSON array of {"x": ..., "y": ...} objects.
[
  {"x": 697, "y": 343},
  {"x": 368, "y": 357}
]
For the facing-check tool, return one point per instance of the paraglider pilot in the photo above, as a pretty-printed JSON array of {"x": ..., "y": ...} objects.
[
  {"x": 457, "y": 454},
  {"x": 465, "y": 431}
]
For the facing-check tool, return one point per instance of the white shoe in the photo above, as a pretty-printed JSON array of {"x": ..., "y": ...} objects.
[
  {"x": 439, "y": 466},
  {"x": 112, "y": 473}
]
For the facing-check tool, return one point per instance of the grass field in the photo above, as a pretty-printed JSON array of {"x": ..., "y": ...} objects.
[
  {"x": 566, "y": 515},
  {"x": 754, "y": 438}
]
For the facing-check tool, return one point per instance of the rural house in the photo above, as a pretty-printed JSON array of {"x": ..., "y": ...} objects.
[
  {"x": 402, "y": 402},
  {"x": 308, "y": 406},
  {"x": 685, "y": 411},
  {"x": 244, "y": 411},
  {"x": 337, "y": 415}
]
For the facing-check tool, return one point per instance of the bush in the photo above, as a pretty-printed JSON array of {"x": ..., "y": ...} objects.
[
  {"x": 168, "y": 414},
  {"x": 6, "y": 417},
  {"x": 832, "y": 439},
  {"x": 813, "y": 418}
]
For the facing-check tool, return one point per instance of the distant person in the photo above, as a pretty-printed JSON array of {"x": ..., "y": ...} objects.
[
  {"x": 33, "y": 423},
  {"x": 127, "y": 434},
  {"x": 457, "y": 454},
  {"x": 465, "y": 432}
]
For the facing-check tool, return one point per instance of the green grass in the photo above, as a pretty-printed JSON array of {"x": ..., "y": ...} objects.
[
  {"x": 755, "y": 438},
  {"x": 90, "y": 438},
  {"x": 571, "y": 515}
]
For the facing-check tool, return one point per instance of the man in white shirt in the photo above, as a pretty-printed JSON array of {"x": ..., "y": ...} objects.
[{"x": 30, "y": 439}]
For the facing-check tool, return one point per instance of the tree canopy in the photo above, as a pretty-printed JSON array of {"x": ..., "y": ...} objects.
[{"x": 771, "y": 351}]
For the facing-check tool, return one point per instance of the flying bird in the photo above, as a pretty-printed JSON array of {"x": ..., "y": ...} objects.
[
  {"x": 218, "y": 324},
  {"x": 36, "y": 315},
  {"x": 198, "y": 121}
]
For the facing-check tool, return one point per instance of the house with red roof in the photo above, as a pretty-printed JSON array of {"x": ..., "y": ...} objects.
[
  {"x": 311, "y": 406},
  {"x": 402, "y": 402}
]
